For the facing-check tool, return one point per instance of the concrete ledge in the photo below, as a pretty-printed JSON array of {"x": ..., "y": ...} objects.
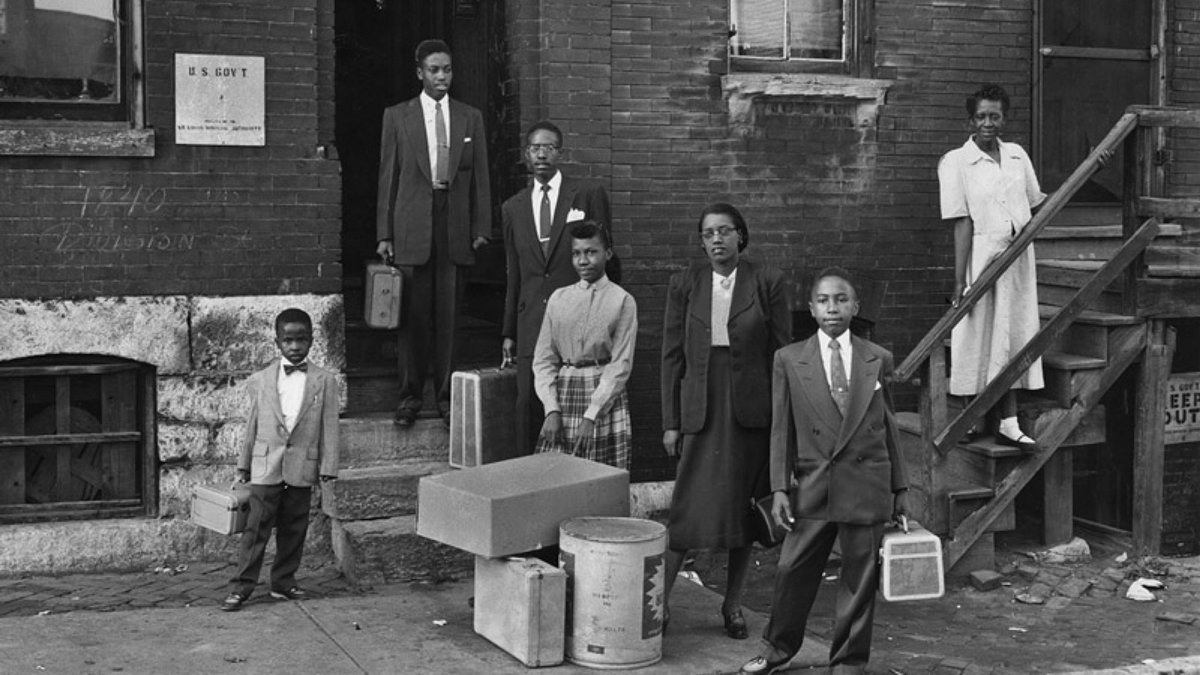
[
  {"x": 373, "y": 439},
  {"x": 390, "y": 551},
  {"x": 106, "y": 545},
  {"x": 376, "y": 492},
  {"x": 650, "y": 500}
]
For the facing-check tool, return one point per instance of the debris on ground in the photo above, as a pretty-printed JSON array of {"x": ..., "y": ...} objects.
[
  {"x": 1030, "y": 599},
  {"x": 986, "y": 580},
  {"x": 1074, "y": 551},
  {"x": 691, "y": 576},
  {"x": 1178, "y": 617},
  {"x": 439, "y": 622},
  {"x": 1140, "y": 590}
]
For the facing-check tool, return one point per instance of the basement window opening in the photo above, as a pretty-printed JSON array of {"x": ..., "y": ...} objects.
[{"x": 76, "y": 439}]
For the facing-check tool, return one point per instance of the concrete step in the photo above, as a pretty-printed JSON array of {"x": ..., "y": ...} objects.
[
  {"x": 373, "y": 439},
  {"x": 376, "y": 492},
  {"x": 389, "y": 550}
]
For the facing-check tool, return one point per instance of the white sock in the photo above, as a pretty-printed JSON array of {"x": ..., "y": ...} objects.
[{"x": 1010, "y": 428}]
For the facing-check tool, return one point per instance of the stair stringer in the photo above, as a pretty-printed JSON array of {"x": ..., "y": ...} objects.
[{"x": 1126, "y": 345}]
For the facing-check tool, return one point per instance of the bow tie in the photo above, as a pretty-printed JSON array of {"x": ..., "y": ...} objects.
[{"x": 288, "y": 369}]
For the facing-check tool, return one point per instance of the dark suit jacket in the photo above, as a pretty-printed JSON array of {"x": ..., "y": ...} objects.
[
  {"x": 533, "y": 275},
  {"x": 760, "y": 322},
  {"x": 311, "y": 449},
  {"x": 405, "y": 183},
  {"x": 840, "y": 470}
]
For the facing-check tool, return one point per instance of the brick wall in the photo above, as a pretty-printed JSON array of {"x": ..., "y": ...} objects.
[
  {"x": 213, "y": 220},
  {"x": 821, "y": 179}
]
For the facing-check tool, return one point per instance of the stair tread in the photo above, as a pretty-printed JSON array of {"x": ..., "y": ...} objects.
[
  {"x": 1065, "y": 264},
  {"x": 1091, "y": 317},
  {"x": 967, "y": 491},
  {"x": 909, "y": 422},
  {"x": 402, "y": 468},
  {"x": 988, "y": 447},
  {"x": 1065, "y": 361},
  {"x": 1169, "y": 271}
]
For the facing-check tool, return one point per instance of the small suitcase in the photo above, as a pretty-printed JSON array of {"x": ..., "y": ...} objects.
[
  {"x": 221, "y": 509},
  {"x": 483, "y": 427},
  {"x": 384, "y": 284},
  {"x": 912, "y": 564},
  {"x": 520, "y": 606}
]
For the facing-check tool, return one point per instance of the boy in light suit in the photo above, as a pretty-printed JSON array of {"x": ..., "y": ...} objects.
[
  {"x": 836, "y": 473},
  {"x": 291, "y": 440}
]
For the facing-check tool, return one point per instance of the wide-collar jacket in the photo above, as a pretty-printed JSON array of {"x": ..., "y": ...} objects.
[
  {"x": 759, "y": 323},
  {"x": 840, "y": 469},
  {"x": 533, "y": 274},
  {"x": 405, "y": 199},
  {"x": 310, "y": 450}
]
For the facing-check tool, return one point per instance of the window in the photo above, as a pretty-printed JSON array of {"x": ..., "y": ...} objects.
[
  {"x": 70, "y": 77},
  {"x": 817, "y": 36},
  {"x": 75, "y": 439}
]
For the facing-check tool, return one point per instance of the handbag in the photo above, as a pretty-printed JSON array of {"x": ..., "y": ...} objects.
[{"x": 767, "y": 532}]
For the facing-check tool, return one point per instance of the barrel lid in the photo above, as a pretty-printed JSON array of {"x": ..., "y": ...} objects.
[{"x": 612, "y": 529}]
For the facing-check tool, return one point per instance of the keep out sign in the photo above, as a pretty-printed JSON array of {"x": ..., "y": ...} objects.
[{"x": 1182, "y": 415}]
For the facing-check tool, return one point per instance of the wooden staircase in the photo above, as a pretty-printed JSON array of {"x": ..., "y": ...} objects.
[{"x": 1107, "y": 280}]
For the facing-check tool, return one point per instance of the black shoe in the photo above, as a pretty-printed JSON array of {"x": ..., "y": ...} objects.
[
  {"x": 233, "y": 602},
  {"x": 293, "y": 593},
  {"x": 759, "y": 665},
  {"x": 735, "y": 624},
  {"x": 405, "y": 417}
]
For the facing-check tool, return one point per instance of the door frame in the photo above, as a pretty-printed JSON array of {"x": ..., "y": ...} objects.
[{"x": 1158, "y": 70}]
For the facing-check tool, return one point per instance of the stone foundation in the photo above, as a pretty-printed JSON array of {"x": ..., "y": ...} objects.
[{"x": 203, "y": 348}]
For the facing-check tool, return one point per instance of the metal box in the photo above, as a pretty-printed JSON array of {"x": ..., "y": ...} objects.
[
  {"x": 483, "y": 427},
  {"x": 220, "y": 508},
  {"x": 912, "y": 564},
  {"x": 520, "y": 606},
  {"x": 384, "y": 284},
  {"x": 515, "y": 506}
]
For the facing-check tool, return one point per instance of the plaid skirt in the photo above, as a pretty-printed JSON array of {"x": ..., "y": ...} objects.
[{"x": 612, "y": 441}]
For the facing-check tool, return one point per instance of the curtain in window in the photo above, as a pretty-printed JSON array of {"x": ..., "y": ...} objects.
[{"x": 816, "y": 29}]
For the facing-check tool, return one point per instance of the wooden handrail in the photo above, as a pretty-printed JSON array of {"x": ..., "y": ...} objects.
[
  {"x": 1001, "y": 263},
  {"x": 1050, "y": 332}
]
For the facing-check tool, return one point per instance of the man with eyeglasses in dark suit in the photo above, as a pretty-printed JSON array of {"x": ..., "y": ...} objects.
[{"x": 537, "y": 246}]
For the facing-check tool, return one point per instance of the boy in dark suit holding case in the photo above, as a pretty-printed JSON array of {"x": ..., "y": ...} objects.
[
  {"x": 291, "y": 440},
  {"x": 836, "y": 473}
]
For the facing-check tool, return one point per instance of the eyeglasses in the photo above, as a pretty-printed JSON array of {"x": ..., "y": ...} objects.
[
  {"x": 548, "y": 147},
  {"x": 722, "y": 231}
]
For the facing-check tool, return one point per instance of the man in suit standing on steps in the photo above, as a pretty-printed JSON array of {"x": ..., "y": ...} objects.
[
  {"x": 538, "y": 255},
  {"x": 434, "y": 211}
]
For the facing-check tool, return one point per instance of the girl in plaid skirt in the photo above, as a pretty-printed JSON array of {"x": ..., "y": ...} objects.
[{"x": 583, "y": 358}]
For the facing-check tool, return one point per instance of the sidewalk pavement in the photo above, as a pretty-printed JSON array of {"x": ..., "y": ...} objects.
[
  {"x": 167, "y": 622},
  {"x": 392, "y": 629}
]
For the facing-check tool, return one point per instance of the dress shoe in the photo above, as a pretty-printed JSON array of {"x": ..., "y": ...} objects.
[
  {"x": 405, "y": 417},
  {"x": 735, "y": 624},
  {"x": 759, "y": 665},
  {"x": 1023, "y": 442},
  {"x": 293, "y": 593},
  {"x": 233, "y": 602}
]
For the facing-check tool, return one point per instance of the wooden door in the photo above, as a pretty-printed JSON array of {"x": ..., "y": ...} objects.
[{"x": 1093, "y": 58}]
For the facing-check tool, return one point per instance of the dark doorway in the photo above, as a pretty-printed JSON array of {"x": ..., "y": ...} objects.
[
  {"x": 1094, "y": 58},
  {"x": 375, "y": 69}
]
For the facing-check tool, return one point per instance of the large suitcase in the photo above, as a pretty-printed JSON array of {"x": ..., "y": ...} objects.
[
  {"x": 220, "y": 508},
  {"x": 383, "y": 284},
  {"x": 912, "y": 564},
  {"x": 483, "y": 426},
  {"x": 520, "y": 605}
]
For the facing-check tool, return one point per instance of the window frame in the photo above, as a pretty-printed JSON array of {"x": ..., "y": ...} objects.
[
  {"x": 128, "y": 137},
  {"x": 142, "y": 391},
  {"x": 858, "y": 48}
]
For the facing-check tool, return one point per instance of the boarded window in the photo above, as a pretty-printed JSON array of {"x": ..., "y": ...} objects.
[{"x": 76, "y": 439}]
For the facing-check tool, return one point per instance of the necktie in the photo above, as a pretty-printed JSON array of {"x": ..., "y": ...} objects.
[
  {"x": 840, "y": 386},
  {"x": 441, "y": 173},
  {"x": 544, "y": 218},
  {"x": 288, "y": 369}
]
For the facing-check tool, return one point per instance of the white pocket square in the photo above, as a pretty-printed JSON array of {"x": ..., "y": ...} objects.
[
  {"x": 467, "y": 139},
  {"x": 574, "y": 215},
  {"x": 878, "y": 386}
]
